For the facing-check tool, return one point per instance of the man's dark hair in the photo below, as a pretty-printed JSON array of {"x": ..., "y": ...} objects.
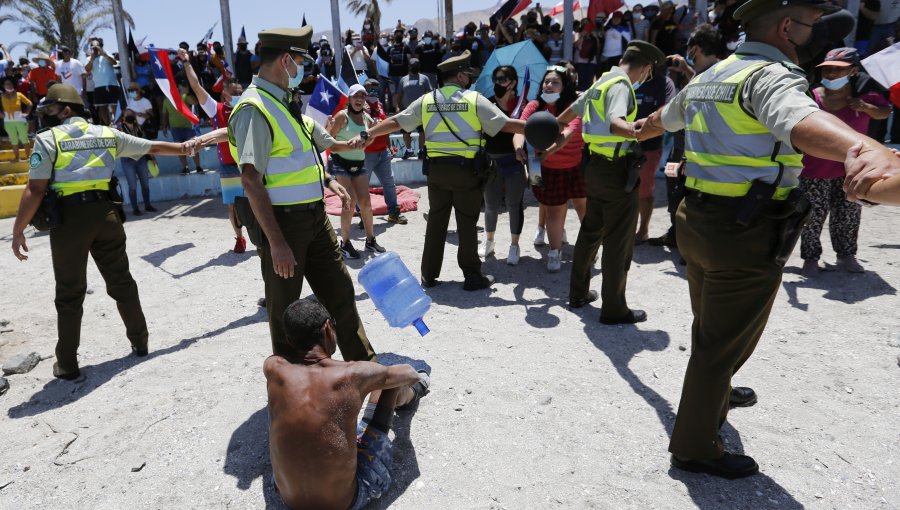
[
  {"x": 303, "y": 321},
  {"x": 709, "y": 40},
  {"x": 635, "y": 58},
  {"x": 448, "y": 75}
]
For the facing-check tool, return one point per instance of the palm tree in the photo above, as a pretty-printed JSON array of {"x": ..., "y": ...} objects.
[
  {"x": 60, "y": 22},
  {"x": 370, "y": 8}
]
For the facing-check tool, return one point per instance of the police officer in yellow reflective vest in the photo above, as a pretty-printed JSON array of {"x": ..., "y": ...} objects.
[
  {"x": 277, "y": 151},
  {"x": 75, "y": 161},
  {"x": 454, "y": 120},
  {"x": 747, "y": 119},
  {"x": 609, "y": 110}
]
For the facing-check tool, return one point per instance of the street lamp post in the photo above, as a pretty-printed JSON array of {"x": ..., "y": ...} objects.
[{"x": 124, "y": 56}]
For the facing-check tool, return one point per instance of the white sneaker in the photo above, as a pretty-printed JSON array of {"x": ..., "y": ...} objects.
[
  {"x": 553, "y": 262},
  {"x": 565, "y": 239},
  {"x": 539, "y": 237},
  {"x": 513, "y": 257},
  {"x": 486, "y": 248}
]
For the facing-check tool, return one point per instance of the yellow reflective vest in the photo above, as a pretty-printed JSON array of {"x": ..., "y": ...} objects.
[
  {"x": 85, "y": 157},
  {"x": 458, "y": 107},
  {"x": 293, "y": 175},
  {"x": 725, "y": 146},
  {"x": 595, "y": 132}
]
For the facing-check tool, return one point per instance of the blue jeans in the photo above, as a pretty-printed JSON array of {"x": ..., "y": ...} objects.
[
  {"x": 379, "y": 163},
  {"x": 134, "y": 170}
]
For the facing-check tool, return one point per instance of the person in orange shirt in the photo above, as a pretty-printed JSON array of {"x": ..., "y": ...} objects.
[{"x": 41, "y": 75}]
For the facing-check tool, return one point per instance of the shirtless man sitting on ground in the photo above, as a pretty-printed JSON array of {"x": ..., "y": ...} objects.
[{"x": 320, "y": 457}]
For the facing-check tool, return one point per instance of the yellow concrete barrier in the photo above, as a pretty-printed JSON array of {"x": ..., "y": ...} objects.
[
  {"x": 13, "y": 179},
  {"x": 15, "y": 167},
  {"x": 9, "y": 200}
]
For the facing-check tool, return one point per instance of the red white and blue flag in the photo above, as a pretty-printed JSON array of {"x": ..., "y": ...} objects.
[
  {"x": 162, "y": 73},
  {"x": 325, "y": 101},
  {"x": 54, "y": 54}
]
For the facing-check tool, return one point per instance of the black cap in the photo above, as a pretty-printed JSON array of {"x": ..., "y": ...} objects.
[
  {"x": 64, "y": 48},
  {"x": 752, "y": 9},
  {"x": 295, "y": 40}
]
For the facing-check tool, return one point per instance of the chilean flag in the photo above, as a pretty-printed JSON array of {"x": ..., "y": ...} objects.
[
  {"x": 162, "y": 73},
  {"x": 560, "y": 7},
  {"x": 325, "y": 101}
]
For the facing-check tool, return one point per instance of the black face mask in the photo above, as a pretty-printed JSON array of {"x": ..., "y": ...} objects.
[
  {"x": 500, "y": 90},
  {"x": 131, "y": 119},
  {"x": 829, "y": 29},
  {"x": 52, "y": 120}
]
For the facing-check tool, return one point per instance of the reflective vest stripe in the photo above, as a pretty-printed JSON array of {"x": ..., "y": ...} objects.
[
  {"x": 85, "y": 157},
  {"x": 462, "y": 118},
  {"x": 596, "y": 134},
  {"x": 730, "y": 189},
  {"x": 293, "y": 174},
  {"x": 726, "y": 145}
]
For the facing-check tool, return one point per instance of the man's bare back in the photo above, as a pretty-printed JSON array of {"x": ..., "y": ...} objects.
[{"x": 314, "y": 402}]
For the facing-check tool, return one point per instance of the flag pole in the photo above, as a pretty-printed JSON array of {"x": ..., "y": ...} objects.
[
  {"x": 227, "y": 40},
  {"x": 568, "y": 34},
  {"x": 124, "y": 57},
  {"x": 338, "y": 41},
  {"x": 448, "y": 18}
]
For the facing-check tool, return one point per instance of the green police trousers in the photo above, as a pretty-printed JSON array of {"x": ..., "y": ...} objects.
[
  {"x": 456, "y": 187},
  {"x": 311, "y": 238},
  {"x": 93, "y": 228},
  {"x": 610, "y": 219},
  {"x": 733, "y": 280}
]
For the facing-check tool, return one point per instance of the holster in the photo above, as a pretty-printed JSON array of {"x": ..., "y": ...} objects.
[
  {"x": 480, "y": 164},
  {"x": 792, "y": 226},
  {"x": 49, "y": 213},
  {"x": 426, "y": 163},
  {"x": 115, "y": 195},
  {"x": 634, "y": 161},
  {"x": 754, "y": 202},
  {"x": 678, "y": 189},
  {"x": 585, "y": 158},
  {"x": 245, "y": 215}
]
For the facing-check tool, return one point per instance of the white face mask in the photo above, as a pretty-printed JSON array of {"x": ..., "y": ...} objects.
[
  {"x": 426, "y": 40},
  {"x": 550, "y": 97},
  {"x": 383, "y": 41}
]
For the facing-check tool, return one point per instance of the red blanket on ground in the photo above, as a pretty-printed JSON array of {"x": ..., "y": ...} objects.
[{"x": 407, "y": 199}]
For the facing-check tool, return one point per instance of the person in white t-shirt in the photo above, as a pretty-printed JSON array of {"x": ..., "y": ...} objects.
[
  {"x": 140, "y": 105},
  {"x": 70, "y": 71}
]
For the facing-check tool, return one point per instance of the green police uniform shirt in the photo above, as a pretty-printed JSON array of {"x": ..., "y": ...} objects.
[
  {"x": 618, "y": 99},
  {"x": 253, "y": 135},
  {"x": 492, "y": 118},
  {"x": 44, "y": 155},
  {"x": 775, "y": 95}
]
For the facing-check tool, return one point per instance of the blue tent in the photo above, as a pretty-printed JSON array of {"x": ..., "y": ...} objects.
[{"x": 519, "y": 55}]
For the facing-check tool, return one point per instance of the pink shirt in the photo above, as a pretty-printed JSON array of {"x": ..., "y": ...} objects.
[
  {"x": 815, "y": 168},
  {"x": 570, "y": 155}
]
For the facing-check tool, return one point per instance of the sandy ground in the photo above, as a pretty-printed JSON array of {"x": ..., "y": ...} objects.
[{"x": 533, "y": 405}]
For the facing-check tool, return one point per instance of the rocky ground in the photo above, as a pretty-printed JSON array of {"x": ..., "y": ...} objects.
[{"x": 533, "y": 405}]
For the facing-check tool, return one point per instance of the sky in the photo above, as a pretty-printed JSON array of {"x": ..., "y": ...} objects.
[{"x": 167, "y": 22}]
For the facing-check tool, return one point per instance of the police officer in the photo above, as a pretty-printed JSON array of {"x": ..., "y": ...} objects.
[
  {"x": 747, "y": 120},
  {"x": 277, "y": 151},
  {"x": 609, "y": 110},
  {"x": 75, "y": 161},
  {"x": 454, "y": 119}
]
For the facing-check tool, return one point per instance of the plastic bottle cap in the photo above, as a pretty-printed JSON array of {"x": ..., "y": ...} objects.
[{"x": 421, "y": 327}]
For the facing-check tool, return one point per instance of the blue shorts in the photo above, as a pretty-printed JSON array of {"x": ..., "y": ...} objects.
[
  {"x": 180, "y": 135},
  {"x": 373, "y": 464},
  {"x": 336, "y": 169},
  {"x": 230, "y": 180}
]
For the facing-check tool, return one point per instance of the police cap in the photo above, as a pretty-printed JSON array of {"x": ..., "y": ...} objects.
[
  {"x": 651, "y": 52},
  {"x": 752, "y": 9},
  {"x": 295, "y": 40},
  {"x": 62, "y": 93},
  {"x": 458, "y": 63}
]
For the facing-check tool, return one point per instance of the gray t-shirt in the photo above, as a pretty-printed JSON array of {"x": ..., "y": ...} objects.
[
  {"x": 252, "y": 135},
  {"x": 619, "y": 99},
  {"x": 775, "y": 95},
  {"x": 413, "y": 87},
  {"x": 492, "y": 118},
  {"x": 44, "y": 155}
]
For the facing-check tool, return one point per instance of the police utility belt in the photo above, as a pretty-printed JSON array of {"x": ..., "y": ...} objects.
[
  {"x": 50, "y": 213},
  {"x": 633, "y": 157}
]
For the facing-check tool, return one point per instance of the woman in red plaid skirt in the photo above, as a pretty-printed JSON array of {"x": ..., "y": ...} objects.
[{"x": 560, "y": 163}]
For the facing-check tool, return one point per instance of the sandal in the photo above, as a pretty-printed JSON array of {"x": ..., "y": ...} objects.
[{"x": 420, "y": 389}]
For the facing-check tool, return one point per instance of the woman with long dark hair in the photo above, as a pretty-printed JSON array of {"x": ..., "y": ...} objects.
[
  {"x": 562, "y": 179},
  {"x": 508, "y": 179}
]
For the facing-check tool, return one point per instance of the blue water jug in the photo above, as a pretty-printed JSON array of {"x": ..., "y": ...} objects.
[{"x": 395, "y": 292}]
